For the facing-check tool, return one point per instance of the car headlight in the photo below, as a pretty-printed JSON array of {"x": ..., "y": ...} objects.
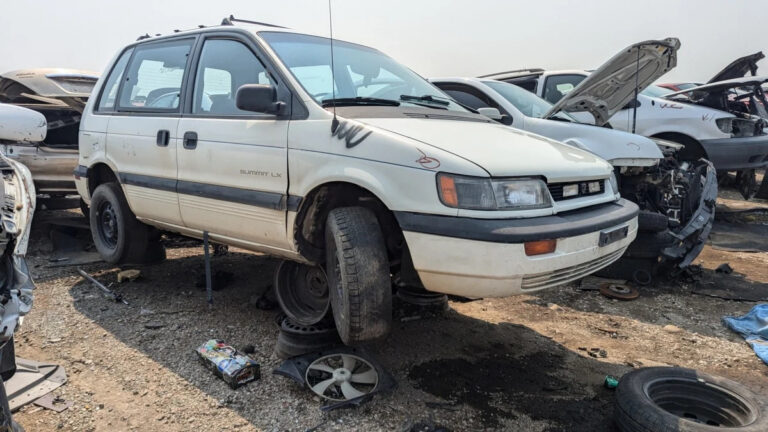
[
  {"x": 479, "y": 193},
  {"x": 614, "y": 183},
  {"x": 725, "y": 124}
]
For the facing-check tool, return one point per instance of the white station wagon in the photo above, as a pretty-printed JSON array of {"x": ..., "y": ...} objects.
[{"x": 366, "y": 175}]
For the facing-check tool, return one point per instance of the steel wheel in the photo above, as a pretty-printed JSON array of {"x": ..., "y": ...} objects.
[
  {"x": 302, "y": 292},
  {"x": 341, "y": 377},
  {"x": 107, "y": 226}
]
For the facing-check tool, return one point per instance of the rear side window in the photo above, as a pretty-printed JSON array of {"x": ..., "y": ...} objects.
[
  {"x": 154, "y": 77},
  {"x": 558, "y": 86},
  {"x": 109, "y": 94}
]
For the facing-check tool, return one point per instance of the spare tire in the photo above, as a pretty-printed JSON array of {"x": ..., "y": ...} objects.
[{"x": 666, "y": 399}]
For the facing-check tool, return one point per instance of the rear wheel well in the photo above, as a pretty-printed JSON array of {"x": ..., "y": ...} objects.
[
  {"x": 309, "y": 228},
  {"x": 99, "y": 174},
  {"x": 693, "y": 149}
]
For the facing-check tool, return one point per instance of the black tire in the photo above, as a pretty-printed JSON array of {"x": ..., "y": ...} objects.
[
  {"x": 651, "y": 221},
  {"x": 295, "y": 339},
  {"x": 118, "y": 236},
  {"x": 358, "y": 275},
  {"x": 665, "y": 399}
]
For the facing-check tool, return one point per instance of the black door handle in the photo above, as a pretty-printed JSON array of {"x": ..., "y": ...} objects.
[
  {"x": 190, "y": 140},
  {"x": 163, "y": 137}
]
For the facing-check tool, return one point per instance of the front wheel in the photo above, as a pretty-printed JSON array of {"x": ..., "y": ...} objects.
[
  {"x": 358, "y": 275},
  {"x": 118, "y": 236}
]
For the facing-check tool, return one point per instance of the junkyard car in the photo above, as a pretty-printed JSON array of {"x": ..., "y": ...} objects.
[
  {"x": 60, "y": 95},
  {"x": 17, "y": 194},
  {"x": 676, "y": 199},
  {"x": 732, "y": 139},
  {"x": 371, "y": 175}
]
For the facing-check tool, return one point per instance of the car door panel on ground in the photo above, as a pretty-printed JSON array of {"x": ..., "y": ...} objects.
[
  {"x": 143, "y": 144},
  {"x": 232, "y": 169}
]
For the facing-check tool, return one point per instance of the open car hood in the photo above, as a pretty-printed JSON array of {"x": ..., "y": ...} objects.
[
  {"x": 723, "y": 85},
  {"x": 739, "y": 68},
  {"x": 609, "y": 88}
]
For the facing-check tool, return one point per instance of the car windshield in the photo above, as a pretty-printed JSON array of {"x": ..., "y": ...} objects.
[
  {"x": 528, "y": 103},
  {"x": 656, "y": 91},
  {"x": 362, "y": 74}
]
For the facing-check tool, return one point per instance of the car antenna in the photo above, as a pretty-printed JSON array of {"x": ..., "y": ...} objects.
[
  {"x": 637, "y": 83},
  {"x": 335, "y": 122}
]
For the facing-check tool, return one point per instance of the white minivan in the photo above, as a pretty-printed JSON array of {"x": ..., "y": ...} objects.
[{"x": 365, "y": 175}]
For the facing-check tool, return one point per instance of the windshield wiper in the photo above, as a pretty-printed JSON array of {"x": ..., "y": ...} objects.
[
  {"x": 362, "y": 101},
  {"x": 425, "y": 98}
]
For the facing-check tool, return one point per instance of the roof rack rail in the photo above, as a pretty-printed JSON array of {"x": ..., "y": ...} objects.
[
  {"x": 231, "y": 19},
  {"x": 532, "y": 70},
  {"x": 144, "y": 36}
]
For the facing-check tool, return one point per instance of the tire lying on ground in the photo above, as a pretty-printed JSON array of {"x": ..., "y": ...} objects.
[
  {"x": 666, "y": 399},
  {"x": 358, "y": 275},
  {"x": 118, "y": 236},
  {"x": 296, "y": 339}
]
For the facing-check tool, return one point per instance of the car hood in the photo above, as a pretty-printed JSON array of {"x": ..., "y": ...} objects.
[
  {"x": 739, "y": 68},
  {"x": 724, "y": 85},
  {"x": 609, "y": 88},
  {"x": 49, "y": 88},
  {"x": 617, "y": 147},
  {"x": 500, "y": 150},
  {"x": 17, "y": 196}
]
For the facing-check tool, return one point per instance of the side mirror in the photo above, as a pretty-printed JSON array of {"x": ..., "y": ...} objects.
[
  {"x": 507, "y": 120},
  {"x": 21, "y": 124},
  {"x": 261, "y": 98},
  {"x": 491, "y": 113},
  {"x": 634, "y": 103}
]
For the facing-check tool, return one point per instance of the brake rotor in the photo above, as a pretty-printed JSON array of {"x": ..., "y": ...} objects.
[
  {"x": 341, "y": 377},
  {"x": 619, "y": 291}
]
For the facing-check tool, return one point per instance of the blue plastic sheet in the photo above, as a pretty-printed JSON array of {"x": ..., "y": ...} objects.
[{"x": 753, "y": 327}]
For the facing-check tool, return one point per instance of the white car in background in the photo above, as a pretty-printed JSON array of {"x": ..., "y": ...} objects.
[
  {"x": 706, "y": 132},
  {"x": 676, "y": 198}
]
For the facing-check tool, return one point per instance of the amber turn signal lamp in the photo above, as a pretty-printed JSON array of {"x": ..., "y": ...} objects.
[
  {"x": 448, "y": 191},
  {"x": 540, "y": 247}
]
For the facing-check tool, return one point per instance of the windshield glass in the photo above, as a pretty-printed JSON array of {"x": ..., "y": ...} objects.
[
  {"x": 528, "y": 103},
  {"x": 656, "y": 91},
  {"x": 359, "y": 71}
]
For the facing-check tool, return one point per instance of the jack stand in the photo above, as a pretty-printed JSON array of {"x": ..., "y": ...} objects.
[{"x": 208, "y": 286}]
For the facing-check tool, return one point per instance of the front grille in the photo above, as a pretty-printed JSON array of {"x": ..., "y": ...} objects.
[
  {"x": 556, "y": 189},
  {"x": 568, "y": 274}
]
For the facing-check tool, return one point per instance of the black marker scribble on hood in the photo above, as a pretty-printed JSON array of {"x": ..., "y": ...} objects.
[{"x": 348, "y": 132}]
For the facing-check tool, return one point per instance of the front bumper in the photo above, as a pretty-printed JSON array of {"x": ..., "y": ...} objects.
[
  {"x": 734, "y": 154},
  {"x": 486, "y": 258}
]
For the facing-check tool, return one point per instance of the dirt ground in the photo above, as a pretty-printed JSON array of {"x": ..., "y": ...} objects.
[{"x": 518, "y": 363}]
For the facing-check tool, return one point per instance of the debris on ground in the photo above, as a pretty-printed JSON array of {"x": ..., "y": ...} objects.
[
  {"x": 117, "y": 298},
  {"x": 128, "y": 275},
  {"x": 733, "y": 286},
  {"x": 724, "y": 268},
  {"x": 753, "y": 327},
  {"x": 619, "y": 291},
  {"x": 669, "y": 328},
  {"x": 345, "y": 377},
  {"x": 33, "y": 380},
  {"x": 53, "y": 403},
  {"x": 611, "y": 382},
  {"x": 227, "y": 363},
  {"x": 593, "y": 283},
  {"x": 266, "y": 301},
  {"x": 424, "y": 426}
]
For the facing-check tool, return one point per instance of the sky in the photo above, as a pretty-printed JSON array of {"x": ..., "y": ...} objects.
[{"x": 432, "y": 37}]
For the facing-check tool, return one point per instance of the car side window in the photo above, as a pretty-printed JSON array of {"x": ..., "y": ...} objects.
[
  {"x": 558, "y": 86},
  {"x": 109, "y": 91},
  {"x": 154, "y": 76},
  {"x": 224, "y": 66}
]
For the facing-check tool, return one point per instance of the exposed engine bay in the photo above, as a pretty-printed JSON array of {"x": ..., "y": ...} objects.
[{"x": 677, "y": 204}]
